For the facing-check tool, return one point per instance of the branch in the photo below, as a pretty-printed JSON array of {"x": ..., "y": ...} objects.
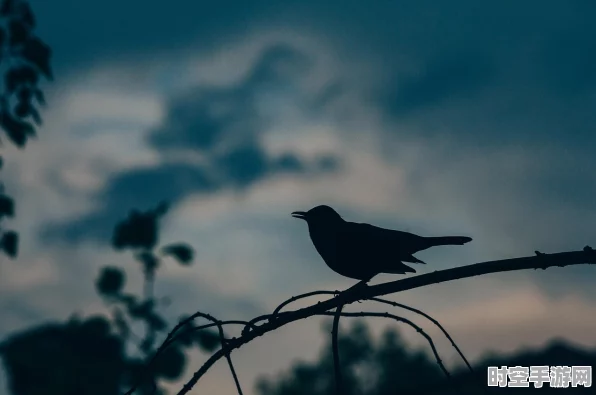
[
  {"x": 173, "y": 336},
  {"x": 562, "y": 259},
  {"x": 403, "y": 306},
  {"x": 379, "y": 300},
  {"x": 295, "y": 298},
  {"x": 385, "y": 301},
  {"x": 336, "y": 367},
  {"x": 405, "y": 321},
  {"x": 230, "y": 364}
]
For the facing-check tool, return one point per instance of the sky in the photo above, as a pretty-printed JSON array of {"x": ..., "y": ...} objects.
[{"x": 437, "y": 118}]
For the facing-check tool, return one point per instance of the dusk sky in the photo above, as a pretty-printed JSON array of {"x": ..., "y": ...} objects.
[{"x": 462, "y": 117}]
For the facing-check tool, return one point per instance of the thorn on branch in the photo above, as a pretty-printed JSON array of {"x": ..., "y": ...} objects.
[{"x": 543, "y": 256}]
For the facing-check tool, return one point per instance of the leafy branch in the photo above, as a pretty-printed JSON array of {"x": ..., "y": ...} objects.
[{"x": 24, "y": 60}]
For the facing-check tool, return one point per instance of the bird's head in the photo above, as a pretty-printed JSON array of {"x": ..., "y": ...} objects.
[{"x": 320, "y": 214}]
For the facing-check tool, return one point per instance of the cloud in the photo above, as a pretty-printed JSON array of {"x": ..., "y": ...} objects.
[
  {"x": 445, "y": 78},
  {"x": 444, "y": 117},
  {"x": 210, "y": 139}
]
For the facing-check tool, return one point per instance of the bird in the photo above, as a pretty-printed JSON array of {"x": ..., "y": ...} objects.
[{"x": 361, "y": 251}]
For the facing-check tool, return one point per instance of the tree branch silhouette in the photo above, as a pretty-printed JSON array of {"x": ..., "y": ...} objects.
[
  {"x": 379, "y": 300},
  {"x": 230, "y": 364},
  {"x": 334, "y": 335},
  {"x": 398, "y": 319},
  {"x": 252, "y": 331}
]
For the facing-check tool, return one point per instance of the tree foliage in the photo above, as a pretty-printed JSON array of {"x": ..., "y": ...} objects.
[
  {"x": 103, "y": 354},
  {"x": 24, "y": 62}
]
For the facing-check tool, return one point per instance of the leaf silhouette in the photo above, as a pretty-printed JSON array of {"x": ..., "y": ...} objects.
[
  {"x": 9, "y": 243},
  {"x": 170, "y": 364},
  {"x": 156, "y": 323},
  {"x": 6, "y": 206},
  {"x": 7, "y": 8},
  {"x": 16, "y": 130},
  {"x": 26, "y": 15},
  {"x": 19, "y": 76},
  {"x": 139, "y": 230},
  {"x": 18, "y": 32},
  {"x": 183, "y": 253},
  {"x": 207, "y": 340},
  {"x": 38, "y": 53},
  {"x": 111, "y": 281}
]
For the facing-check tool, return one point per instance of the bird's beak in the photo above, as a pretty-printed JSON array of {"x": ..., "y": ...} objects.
[{"x": 299, "y": 214}]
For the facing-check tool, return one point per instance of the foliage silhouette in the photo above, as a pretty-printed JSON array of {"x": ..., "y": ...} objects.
[
  {"x": 103, "y": 354},
  {"x": 388, "y": 366},
  {"x": 24, "y": 60}
]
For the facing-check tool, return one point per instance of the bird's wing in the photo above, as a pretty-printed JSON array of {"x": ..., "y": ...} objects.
[
  {"x": 385, "y": 246},
  {"x": 398, "y": 239}
]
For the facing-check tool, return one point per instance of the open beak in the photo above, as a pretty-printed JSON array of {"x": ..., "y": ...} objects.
[{"x": 299, "y": 214}]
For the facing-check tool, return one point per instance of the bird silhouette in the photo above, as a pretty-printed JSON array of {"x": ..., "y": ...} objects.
[{"x": 361, "y": 251}]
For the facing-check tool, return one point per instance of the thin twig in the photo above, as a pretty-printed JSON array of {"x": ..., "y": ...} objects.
[
  {"x": 405, "y": 321},
  {"x": 403, "y": 306},
  {"x": 172, "y": 337},
  {"x": 562, "y": 259},
  {"x": 336, "y": 365},
  {"x": 380, "y": 300},
  {"x": 230, "y": 364}
]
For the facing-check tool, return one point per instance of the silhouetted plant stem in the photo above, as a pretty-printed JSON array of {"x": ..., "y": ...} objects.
[
  {"x": 406, "y": 307},
  {"x": 230, "y": 364},
  {"x": 398, "y": 319},
  {"x": 171, "y": 337},
  {"x": 587, "y": 256},
  {"x": 148, "y": 285},
  {"x": 334, "y": 346},
  {"x": 403, "y": 306},
  {"x": 379, "y": 300}
]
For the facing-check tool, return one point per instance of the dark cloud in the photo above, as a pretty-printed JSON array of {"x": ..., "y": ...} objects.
[
  {"x": 455, "y": 75},
  {"x": 505, "y": 73},
  {"x": 140, "y": 188},
  {"x": 206, "y": 117},
  {"x": 569, "y": 60},
  {"x": 81, "y": 34},
  {"x": 482, "y": 74},
  {"x": 223, "y": 128}
]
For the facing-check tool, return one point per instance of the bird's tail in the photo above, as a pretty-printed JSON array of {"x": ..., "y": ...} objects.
[{"x": 448, "y": 240}]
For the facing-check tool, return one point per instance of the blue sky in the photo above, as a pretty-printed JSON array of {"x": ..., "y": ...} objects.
[{"x": 433, "y": 117}]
